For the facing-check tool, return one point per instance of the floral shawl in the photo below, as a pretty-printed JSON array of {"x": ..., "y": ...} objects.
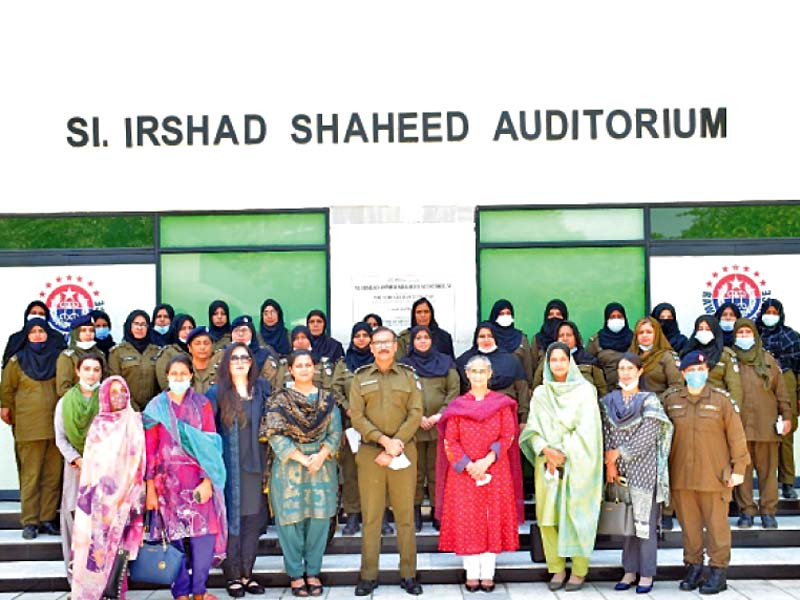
[{"x": 111, "y": 495}]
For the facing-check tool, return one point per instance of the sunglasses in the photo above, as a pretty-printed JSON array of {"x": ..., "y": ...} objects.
[{"x": 240, "y": 358}]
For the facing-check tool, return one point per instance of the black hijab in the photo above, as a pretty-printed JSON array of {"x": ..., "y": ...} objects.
[
  {"x": 17, "y": 339},
  {"x": 506, "y": 368},
  {"x": 276, "y": 336},
  {"x": 325, "y": 345},
  {"x": 670, "y": 326},
  {"x": 218, "y": 333},
  {"x": 728, "y": 336},
  {"x": 442, "y": 340},
  {"x": 620, "y": 341},
  {"x": 306, "y": 332},
  {"x": 175, "y": 327},
  {"x": 580, "y": 355},
  {"x": 355, "y": 357},
  {"x": 161, "y": 339},
  {"x": 260, "y": 353},
  {"x": 549, "y": 330},
  {"x": 38, "y": 359},
  {"x": 108, "y": 342},
  {"x": 377, "y": 318},
  {"x": 140, "y": 345},
  {"x": 712, "y": 350},
  {"x": 508, "y": 338},
  {"x": 427, "y": 364}
]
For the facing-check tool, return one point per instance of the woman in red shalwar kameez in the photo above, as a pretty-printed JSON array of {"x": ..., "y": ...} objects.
[{"x": 478, "y": 438}]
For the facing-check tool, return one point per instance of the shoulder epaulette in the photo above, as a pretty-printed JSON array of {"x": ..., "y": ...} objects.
[
  {"x": 723, "y": 392},
  {"x": 407, "y": 367},
  {"x": 363, "y": 368},
  {"x": 283, "y": 361},
  {"x": 672, "y": 390},
  {"x": 69, "y": 352},
  {"x": 161, "y": 351},
  {"x": 13, "y": 358},
  {"x": 115, "y": 346}
]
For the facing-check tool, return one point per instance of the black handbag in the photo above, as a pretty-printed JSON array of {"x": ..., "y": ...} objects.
[
  {"x": 616, "y": 512},
  {"x": 113, "y": 589},
  {"x": 159, "y": 561}
]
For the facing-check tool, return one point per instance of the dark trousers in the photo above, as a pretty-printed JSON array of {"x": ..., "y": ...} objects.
[
  {"x": 202, "y": 553},
  {"x": 638, "y": 555},
  {"x": 242, "y": 548}
]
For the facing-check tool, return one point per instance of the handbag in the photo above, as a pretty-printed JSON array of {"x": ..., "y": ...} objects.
[
  {"x": 616, "y": 512},
  {"x": 159, "y": 561},
  {"x": 113, "y": 589}
]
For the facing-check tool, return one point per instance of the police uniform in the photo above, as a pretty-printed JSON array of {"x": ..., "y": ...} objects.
[
  {"x": 725, "y": 375},
  {"x": 138, "y": 369},
  {"x": 386, "y": 403},
  {"x": 708, "y": 446},
  {"x": 608, "y": 359},
  {"x": 342, "y": 380},
  {"x": 282, "y": 378},
  {"x": 202, "y": 379},
  {"x": 67, "y": 367}
]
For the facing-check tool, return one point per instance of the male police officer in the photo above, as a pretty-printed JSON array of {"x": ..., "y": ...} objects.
[
  {"x": 708, "y": 459},
  {"x": 386, "y": 409}
]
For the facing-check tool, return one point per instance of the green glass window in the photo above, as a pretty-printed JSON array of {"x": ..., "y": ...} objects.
[
  {"x": 561, "y": 225},
  {"x": 297, "y": 280},
  {"x": 725, "y": 222},
  {"x": 266, "y": 229},
  {"x": 585, "y": 278},
  {"x": 39, "y": 233}
]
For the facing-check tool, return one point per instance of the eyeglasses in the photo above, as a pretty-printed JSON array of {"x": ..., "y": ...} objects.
[
  {"x": 383, "y": 343},
  {"x": 240, "y": 358}
]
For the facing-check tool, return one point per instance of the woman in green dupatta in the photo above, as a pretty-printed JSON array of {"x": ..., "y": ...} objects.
[
  {"x": 564, "y": 440},
  {"x": 73, "y": 416}
]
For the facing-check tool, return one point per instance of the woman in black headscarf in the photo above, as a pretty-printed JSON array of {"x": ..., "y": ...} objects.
[
  {"x": 219, "y": 323},
  {"x": 323, "y": 370},
  {"x": 135, "y": 359},
  {"x": 102, "y": 331},
  {"x": 28, "y": 398},
  {"x": 243, "y": 331},
  {"x": 508, "y": 337},
  {"x": 422, "y": 314},
  {"x": 372, "y": 320},
  {"x": 612, "y": 341},
  {"x": 440, "y": 384},
  {"x": 16, "y": 340},
  {"x": 324, "y": 346},
  {"x": 177, "y": 335},
  {"x": 508, "y": 375},
  {"x": 668, "y": 319},
  {"x": 726, "y": 314},
  {"x": 162, "y": 318},
  {"x": 272, "y": 331},
  {"x": 588, "y": 365},
  {"x": 723, "y": 368},
  {"x": 554, "y": 312}
]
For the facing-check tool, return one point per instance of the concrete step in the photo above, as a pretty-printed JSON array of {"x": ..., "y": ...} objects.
[{"x": 343, "y": 569}]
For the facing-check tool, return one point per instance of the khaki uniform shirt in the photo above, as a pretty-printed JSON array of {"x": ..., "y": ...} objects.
[
  {"x": 387, "y": 403},
  {"x": 725, "y": 375},
  {"x": 659, "y": 380},
  {"x": 608, "y": 359},
  {"x": 437, "y": 392},
  {"x": 708, "y": 443},
  {"x": 761, "y": 406},
  {"x": 202, "y": 379},
  {"x": 139, "y": 371},
  {"x": 67, "y": 365},
  {"x": 32, "y": 403}
]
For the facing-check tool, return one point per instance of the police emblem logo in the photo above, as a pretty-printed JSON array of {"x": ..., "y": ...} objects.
[
  {"x": 68, "y": 298},
  {"x": 739, "y": 284}
]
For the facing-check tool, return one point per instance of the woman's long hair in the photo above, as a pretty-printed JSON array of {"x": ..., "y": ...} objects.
[{"x": 230, "y": 403}]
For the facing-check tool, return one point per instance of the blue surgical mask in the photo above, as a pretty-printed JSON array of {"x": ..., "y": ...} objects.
[
  {"x": 745, "y": 343},
  {"x": 727, "y": 325},
  {"x": 696, "y": 379},
  {"x": 615, "y": 325},
  {"x": 573, "y": 350},
  {"x": 101, "y": 333},
  {"x": 770, "y": 320},
  {"x": 179, "y": 387},
  {"x": 162, "y": 329}
]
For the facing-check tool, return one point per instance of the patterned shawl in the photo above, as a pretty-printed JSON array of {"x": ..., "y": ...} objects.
[
  {"x": 292, "y": 414},
  {"x": 565, "y": 416},
  {"x": 110, "y": 496}
]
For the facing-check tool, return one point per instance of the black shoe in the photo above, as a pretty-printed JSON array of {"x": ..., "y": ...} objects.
[
  {"x": 666, "y": 523},
  {"x": 788, "y": 491},
  {"x": 386, "y": 527},
  {"x": 29, "y": 532},
  {"x": 50, "y": 528},
  {"x": 351, "y": 526},
  {"x": 253, "y": 587},
  {"x": 744, "y": 522},
  {"x": 411, "y": 586},
  {"x": 417, "y": 518},
  {"x": 693, "y": 578},
  {"x": 716, "y": 583},
  {"x": 437, "y": 525},
  {"x": 235, "y": 588},
  {"x": 365, "y": 587},
  {"x": 769, "y": 522}
]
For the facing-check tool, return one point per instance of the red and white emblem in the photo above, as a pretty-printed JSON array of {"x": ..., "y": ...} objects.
[
  {"x": 743, "y": 286},
  {"x": 68, "y": 298}
]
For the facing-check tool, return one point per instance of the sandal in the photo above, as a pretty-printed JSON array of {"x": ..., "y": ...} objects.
[
  {"x": 253, "y": 587},
  {"x": 299, "y": 590},
  {"x": 314, "y": 589},
  {"x": 235, "y": 588}
]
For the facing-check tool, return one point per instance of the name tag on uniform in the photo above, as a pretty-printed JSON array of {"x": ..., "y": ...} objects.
[
  {"x": 710, "y": 407},
  {"x": 676, "y": 406},
  {"x": 370, "y": 382},
  {"x": 124, "y": 358}
]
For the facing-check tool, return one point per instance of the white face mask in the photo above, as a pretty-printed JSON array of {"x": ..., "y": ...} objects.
[
  {"x": 29, "y": 317},
  {"x": 645, "y": 348},
  {"x": 704, "y": 336},
  {"x": 504, "y": 320},
  {"x": 770, "y": 320},
  {"x": 85, "y": 345},
  {"x": 89, "y": 386},
  {"x": 629, "y": 386},
  {"x": 488, "y": 350},
  {"x": 616, "y": 325}
]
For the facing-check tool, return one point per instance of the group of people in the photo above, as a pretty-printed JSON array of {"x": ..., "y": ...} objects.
[{"x": 213, "y": 430}]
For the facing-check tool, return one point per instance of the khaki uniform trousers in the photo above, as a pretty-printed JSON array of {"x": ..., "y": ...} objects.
[
  {"x": 426, "y": 472},
  {"x": 704, "y": 510},
  {"x": 351, "y": 501},
  {"x": 786, "y": 454},
  {"x": 764, "y": 457},
  {"x": 373, "y": 483},
  {"x": 40, "y": 465}
]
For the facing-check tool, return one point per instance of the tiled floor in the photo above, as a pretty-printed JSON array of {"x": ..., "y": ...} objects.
[{"x": 742, "y": 589}]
